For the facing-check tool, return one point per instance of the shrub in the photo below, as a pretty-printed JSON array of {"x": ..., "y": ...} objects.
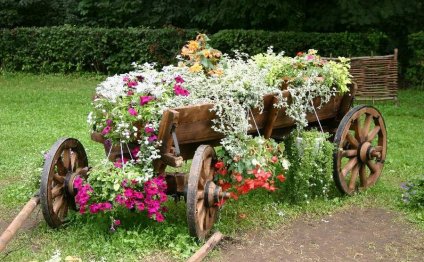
[
  {"x": 414, "y": 193},
  {"x": 311, "y": 167},
  {"x": 335, "y": 44},
  {"x": 415, "y": 71},
  {"x": 75, "y": 49}
]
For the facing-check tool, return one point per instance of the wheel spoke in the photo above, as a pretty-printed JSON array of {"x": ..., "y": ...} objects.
[
  {"x": 61, "y": 169},
  {"x": 207, "y": 167},
  {"x": 372, "y": 166},
  {"x": 200, "y": 195},
  {"x": 58, "y": 178},
  {"x": 378, "y": 149},
  {"x": 353, "y": 177},
  {"x": 57, "y": 204},
  {"x": 367, "y": 124},
  {"x": 352, "y": 140},
  {"x": 349, "y": 153},
  {"x": 200, "y": 213},
  {"x": 373, "y": 133},
  {"x": 357, "y": 130},
  {"x": 67, "y": 158},
  {"x": 352, "y": 162},
  {"x": 74, "y": 158},
  {"x": 57, "y": 191},
  {"x": 62, "y": 210},
  {"x": 363, "y": 175}
]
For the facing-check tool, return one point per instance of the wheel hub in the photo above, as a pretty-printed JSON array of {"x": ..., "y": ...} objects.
[{"x": 212, "y": 193}]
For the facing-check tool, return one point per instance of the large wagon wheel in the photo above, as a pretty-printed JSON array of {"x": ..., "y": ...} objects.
[
  {"x": 65, "y": 160},
  {"x": 202, "y": 193},
  {"x": 361, "y": 144}
]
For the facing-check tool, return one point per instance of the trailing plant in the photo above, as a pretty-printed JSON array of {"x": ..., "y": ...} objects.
[
  {"x": 311, "y": 171},
  {"x": 262, "y": 166}
]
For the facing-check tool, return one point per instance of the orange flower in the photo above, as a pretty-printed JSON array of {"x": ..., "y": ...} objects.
[
  {"x": 193, "y": 45},
  {"x": 185, "y": 51},
  {"x": 195, "y": 68}
]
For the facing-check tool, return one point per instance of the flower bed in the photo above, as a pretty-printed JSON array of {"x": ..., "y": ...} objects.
[{"x": 128, "y": 108}]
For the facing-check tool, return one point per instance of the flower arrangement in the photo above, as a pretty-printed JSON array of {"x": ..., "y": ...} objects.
[
  {"x": 263, "y": 165},
  {"x": 127, "y": 110}
]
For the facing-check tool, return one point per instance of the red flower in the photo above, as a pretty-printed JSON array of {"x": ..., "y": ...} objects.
[
  {"x": 219, "y": 165},
  {"x": 281, "y": 177},
  {"x": 274, "y": 159},
  {"x": 299, "y": 53}
]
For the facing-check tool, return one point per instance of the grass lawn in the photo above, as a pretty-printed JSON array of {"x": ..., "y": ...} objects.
[{"x": 36, "y": 110}]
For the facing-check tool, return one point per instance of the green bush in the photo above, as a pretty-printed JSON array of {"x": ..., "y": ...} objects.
[
  {"x": 415, "y": 71},
  {"x": 75, "y": 49},
  {"x": 414, "y": 193},
  {"x": 310, "y": 174},
  {"x": 335, "y": 44}
]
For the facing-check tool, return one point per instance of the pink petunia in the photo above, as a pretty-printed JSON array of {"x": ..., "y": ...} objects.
[
  {"x": 109, "y": 122},
  {"x": 132, "y": 84},
  {"x": 148, "y": 129},
  {"x": 106, "y": 130},
  {"x": 146, "y": 99},
  {"x": 132, "y": 111},
  {"x": 179, "y": 80},
  {"x": 152, "y": 138}
]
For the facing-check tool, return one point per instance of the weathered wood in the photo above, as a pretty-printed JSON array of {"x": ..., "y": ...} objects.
[
  {"x": 172, "y": 160},
  {"x": 364, "y": 147},
  {"x": 168, "y": 122},
  {"x": 16, "y": 224},
  {"x": 206, "y": 248},
  {"x": 272, "y": 116}
]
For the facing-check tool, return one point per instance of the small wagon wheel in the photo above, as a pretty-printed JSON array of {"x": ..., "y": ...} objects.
[
  {"x": 361, "y": 145},
  {"x": 202, "y": 193},
  {"x": 65, "y": 160}
]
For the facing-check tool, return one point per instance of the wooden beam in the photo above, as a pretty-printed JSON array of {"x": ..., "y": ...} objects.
[
  {"x": 208, "y": 246},
  {"x": 16, "y": 224}
]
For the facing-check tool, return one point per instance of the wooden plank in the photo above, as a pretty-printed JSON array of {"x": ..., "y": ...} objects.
[{"x": 272, "y": 116}]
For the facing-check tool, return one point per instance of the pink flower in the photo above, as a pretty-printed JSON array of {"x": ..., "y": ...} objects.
[
  {"x": 128, "y": 193},
  {"x": 132, "y": 111},
  {"x": 140, "y": 206},
  {"x": 132, "y": 84},
  {"x": 117, "y": 222},
  {"x": 159, "y": 217},
  {"x": 146, "y": 99},
  {"x": 119, "y": 163},
  {"x": 109, "y": 122},
  {"x": 152, "y": 138},
  {"x": 180, "y": 91},
  {"x": 106, "y": 130},
  {"x": 148, "y": 129},
  {"x": 126, "y": 78},
  {"x": 130, "y": 93},
  {"x": 179, "y": 80},
  {"x": 309, "y": 57},
  {"x": 135, "y": 151}
]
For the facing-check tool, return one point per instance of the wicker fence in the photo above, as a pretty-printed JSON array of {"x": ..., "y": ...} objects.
[{"x": 376, "y": 77}]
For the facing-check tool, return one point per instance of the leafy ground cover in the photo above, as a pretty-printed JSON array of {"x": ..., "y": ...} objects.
[{"x": 36, "y": 110}]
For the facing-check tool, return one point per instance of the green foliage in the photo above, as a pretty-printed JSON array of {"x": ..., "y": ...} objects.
[
  {"x": 415, "y": 71},
  {"x": 310, "y": 174},
  {"x": 328, "y": 44},
  {"x": 77, "y": 49},
  {"x": 414, "y": 193}
]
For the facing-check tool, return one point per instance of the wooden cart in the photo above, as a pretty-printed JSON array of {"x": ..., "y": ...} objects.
[{"x": 359, "y": 135}]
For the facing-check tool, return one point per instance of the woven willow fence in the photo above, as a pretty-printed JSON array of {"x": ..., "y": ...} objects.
[{"x": 376, "y": 77}]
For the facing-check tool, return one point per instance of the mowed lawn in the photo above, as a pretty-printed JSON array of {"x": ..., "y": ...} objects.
[{"x": 36, "y": 110}]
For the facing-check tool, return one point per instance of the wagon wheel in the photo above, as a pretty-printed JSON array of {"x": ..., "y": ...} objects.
[
  {"x": 65, "y": 160},
  {"x": 202, "y": 193},
  {"x": 361, "y": 144}
]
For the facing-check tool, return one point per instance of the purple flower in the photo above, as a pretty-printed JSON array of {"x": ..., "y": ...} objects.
[
  {"x": 106, "y": 130},
  {"x": 140, "y": 78},
  {"x": 132, "y": 111},
  {"x": 153, "y": 138},
  {"x": 146, "y": 99},
  {"x": 179, "y": 80},
  {"x": 109, "y": 122}
]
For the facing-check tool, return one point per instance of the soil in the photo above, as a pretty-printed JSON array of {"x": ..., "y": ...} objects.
[{"x": 369, "y": 234}]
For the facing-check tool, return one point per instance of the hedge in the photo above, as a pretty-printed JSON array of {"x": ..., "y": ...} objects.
[
  {"x": 335, "y": 44},
  {"x": 415, "y": 71},
  {"x": 76, "y": 49}
]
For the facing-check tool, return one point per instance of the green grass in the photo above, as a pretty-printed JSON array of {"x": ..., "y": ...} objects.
[{"x": 36, "y": 110}]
